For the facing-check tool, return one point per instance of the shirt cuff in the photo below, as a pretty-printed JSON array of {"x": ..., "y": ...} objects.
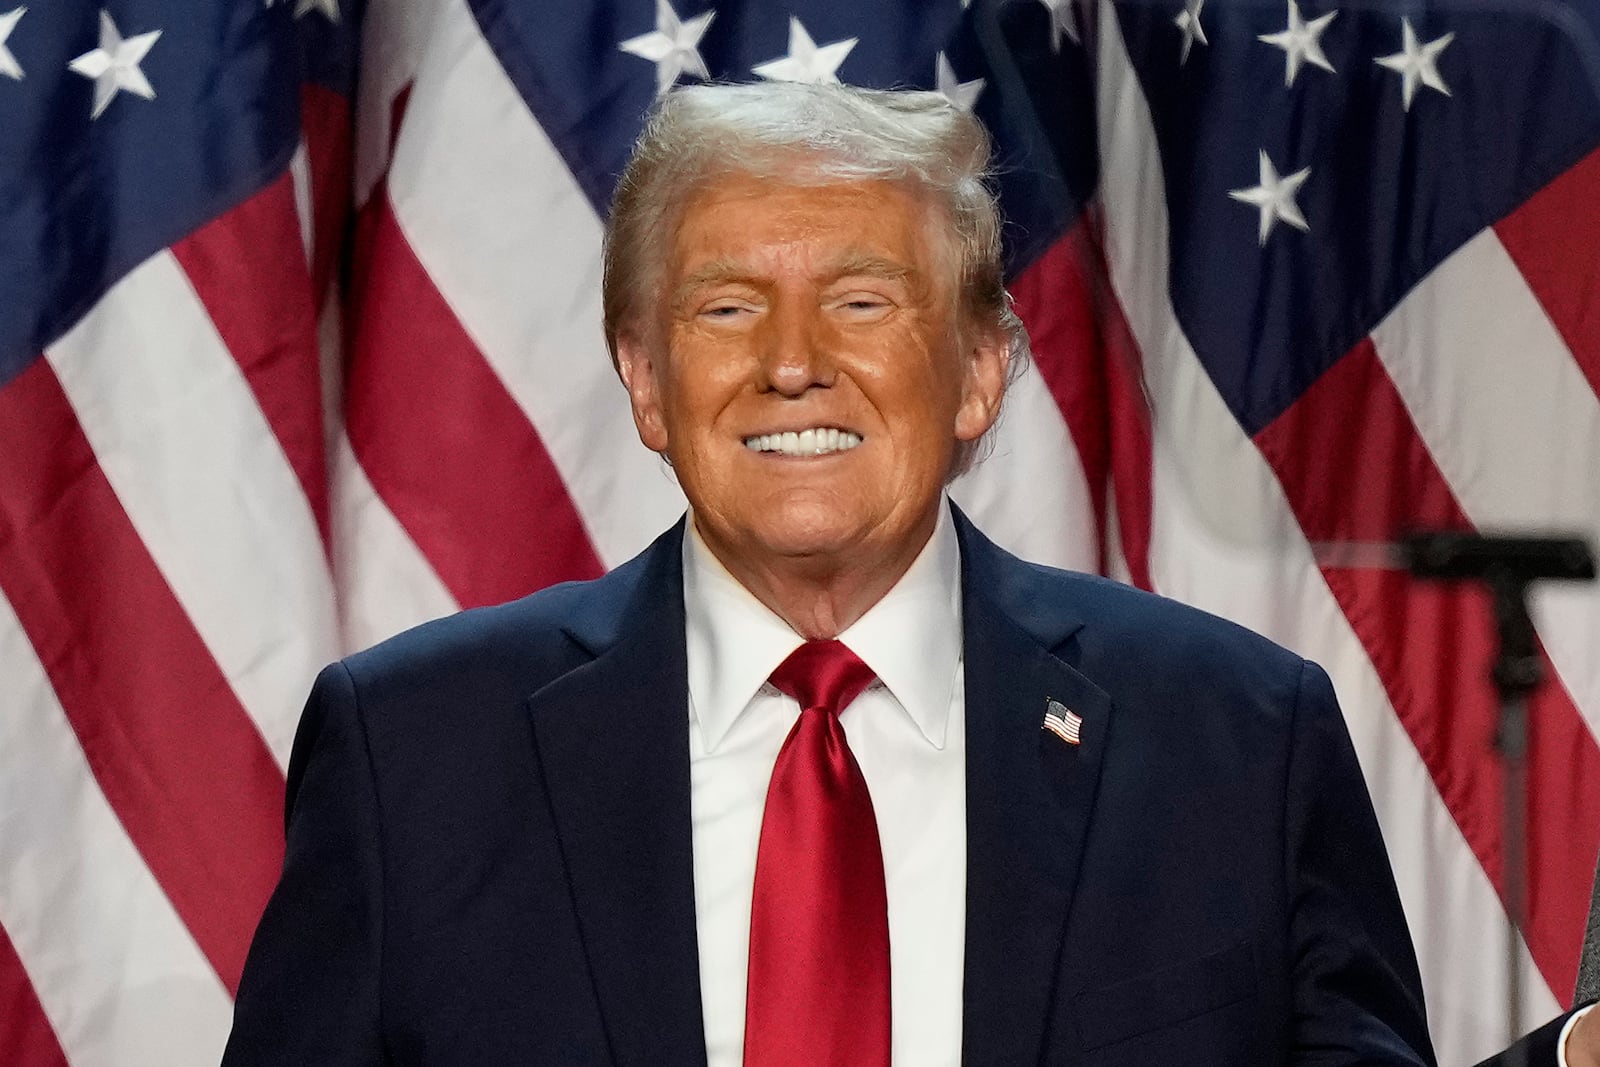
[{"x": 1566, "y": 1031}]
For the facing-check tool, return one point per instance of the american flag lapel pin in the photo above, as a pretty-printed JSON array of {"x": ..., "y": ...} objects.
[{"x": 1063, "y": 722}]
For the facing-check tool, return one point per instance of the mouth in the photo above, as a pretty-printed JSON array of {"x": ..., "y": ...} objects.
[{"x": 816, "y": 441}]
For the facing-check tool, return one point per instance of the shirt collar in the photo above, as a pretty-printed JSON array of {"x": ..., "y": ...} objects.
[{"x": 911, "y": 638}]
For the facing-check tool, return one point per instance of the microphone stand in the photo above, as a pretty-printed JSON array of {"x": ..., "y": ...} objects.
[{"x": 1508, "y": 566}]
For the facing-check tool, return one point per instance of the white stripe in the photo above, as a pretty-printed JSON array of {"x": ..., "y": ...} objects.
[
  {"x": 120, "y": 979},
  {"x": 1031, "y": 495},
  {"x": 1062, "y": 732},
  {"x": 1512, "y": 423},
  {"x": 300, "y": 178},
  {"x": 394, "y": 36},
  {"x": 499, "y": 224},
  {"x": 1225, "y": 539},
  {"x": 206, "y": 485},
  {"x": 1116, "y": 558},
  {"x": 385, "y": 582}
]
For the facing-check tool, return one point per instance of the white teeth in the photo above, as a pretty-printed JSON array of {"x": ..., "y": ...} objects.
[{"x": 818, "y": 441}]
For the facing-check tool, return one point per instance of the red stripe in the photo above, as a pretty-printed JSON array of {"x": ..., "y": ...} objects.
[
  {"x": 1091, "y": 364},
  {"x": 1355, "y": 469},
  {"x": 1132, "y": 460},
  {"x": 443, "y": 442},
  {"x": 178, "y": 759},
  {"x": 26, "y": 1036},
  {"x": 248, "y": 267},
  {"x": 1553, "y": 239},
  {"x": 326, "y": 128}
]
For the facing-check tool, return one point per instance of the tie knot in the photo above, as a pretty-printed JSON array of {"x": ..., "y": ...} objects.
[{"x": 823, "y": 674}]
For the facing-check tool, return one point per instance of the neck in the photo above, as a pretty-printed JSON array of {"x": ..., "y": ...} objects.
[{"x": 822, "y": 596}]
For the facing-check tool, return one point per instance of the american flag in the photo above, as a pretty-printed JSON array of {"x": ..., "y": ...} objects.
[
  {"x": 1064, "y": 723},
  {"x": 297, "y": 351}
]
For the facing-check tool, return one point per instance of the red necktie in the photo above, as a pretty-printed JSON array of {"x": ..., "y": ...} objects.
[{"x": 819, "y": 918}]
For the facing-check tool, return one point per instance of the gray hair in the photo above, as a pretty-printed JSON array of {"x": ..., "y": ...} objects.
[{"x": 804, "y": 133}]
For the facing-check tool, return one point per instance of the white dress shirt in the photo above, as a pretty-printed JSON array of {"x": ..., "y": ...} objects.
[{"x": 907, "y": 732}]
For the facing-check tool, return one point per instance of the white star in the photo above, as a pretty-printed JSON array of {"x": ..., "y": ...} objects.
[
  {"x": 1188, "y": 21},
  {"x": 8, "y": 62},
  {"x": 806, "y": 62},
  {"x": 329, "y": 8},
  {"x": 963, "y": 95},
  {"x": 1063, "y": 21},
  {"x": 1301, "y": 42},
  {"x": 1275, "y": 197},
  {"x": 673, "y": 47},
  {"x": 1416, "y": 62},
  {"x": 114, "y": 66}
]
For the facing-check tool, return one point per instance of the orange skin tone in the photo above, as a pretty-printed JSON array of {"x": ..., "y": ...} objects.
[
  {"x": 785, "y": 307},
  {"x": 1583, "y": 1044}
]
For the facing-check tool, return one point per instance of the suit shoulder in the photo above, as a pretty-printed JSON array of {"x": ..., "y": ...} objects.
[
  {"x": 1127, "y": 613},
  {"x": 1132, "y": 640},
  {"x": 1101, "y": 614},
  {"x": 524, "y": 641},
  {"x": 475, "y": 633}
]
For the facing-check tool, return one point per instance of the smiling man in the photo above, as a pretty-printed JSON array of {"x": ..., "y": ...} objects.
[
  {"x": 812, "y": 377},
  {"x": 823, "y": 776}
]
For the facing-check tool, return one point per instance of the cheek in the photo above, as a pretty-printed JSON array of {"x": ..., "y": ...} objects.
[{"x": 692, "y": 403}]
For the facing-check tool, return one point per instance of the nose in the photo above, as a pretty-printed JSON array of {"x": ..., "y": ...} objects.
[{"x": 792, "y": 349}]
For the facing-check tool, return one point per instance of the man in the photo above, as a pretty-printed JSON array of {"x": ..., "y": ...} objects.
[{"x": 666, "y": 818}]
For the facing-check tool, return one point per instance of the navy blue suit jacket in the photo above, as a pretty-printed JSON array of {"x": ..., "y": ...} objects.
[{"x": 489, "y": 849}]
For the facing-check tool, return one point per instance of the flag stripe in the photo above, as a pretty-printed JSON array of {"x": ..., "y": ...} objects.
[
  {"x": 385, "y": 582},
  {"x": 300, "y": 180},
  {"x": 1035, "y": 465},
  {"x": 26, "y": 1039},
  {"x": 1420, "y": 635},
  {"x": 178, "y": 433},
  {"x": 1054, "y": 299},
  {"x": 1086, "y": 352},
  {"x": 326, "y": 132},
  {"x": 1223, "y": 538},
  {"x": 518, "y": 262},
  {"x": 1034, "y": 459},
  {"x": 243, "y": 268},
  {"x": 443, "y": 444},
  {"x": 112, "y": 966},
  {"x": 169, "y": 743},
  {"x": 1553, "y": 238},
  {"x": 1512, "y": 424}
]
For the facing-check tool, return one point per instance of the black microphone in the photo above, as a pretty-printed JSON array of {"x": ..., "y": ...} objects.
[{"x": 1450, "y": 556}]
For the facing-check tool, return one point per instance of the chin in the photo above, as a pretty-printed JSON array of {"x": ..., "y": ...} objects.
[{"x": 798, "y": 541}]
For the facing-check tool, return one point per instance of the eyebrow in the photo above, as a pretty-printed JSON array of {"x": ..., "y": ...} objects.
[
  {"x": 868, "y": 266},
  {"x": 852, "y": 265}
]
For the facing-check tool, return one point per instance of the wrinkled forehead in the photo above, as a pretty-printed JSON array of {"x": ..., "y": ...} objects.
[{"x": 742, "y": 220}]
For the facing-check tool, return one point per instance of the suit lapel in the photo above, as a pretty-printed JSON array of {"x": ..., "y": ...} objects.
[
  {"x": 612, "y": 740},
  {"x": 1029, "y": 798}
]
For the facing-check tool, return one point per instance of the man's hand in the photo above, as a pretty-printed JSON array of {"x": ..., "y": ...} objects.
[{"x": 1583, "y": 1044}]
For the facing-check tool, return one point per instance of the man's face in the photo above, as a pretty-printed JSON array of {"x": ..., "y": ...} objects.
[{"x": 811, "y": 376}]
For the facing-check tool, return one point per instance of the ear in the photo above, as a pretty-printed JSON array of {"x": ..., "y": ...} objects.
[
  {"x": 637, "y": 365},
  {"x": 988, "y": 363}
]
